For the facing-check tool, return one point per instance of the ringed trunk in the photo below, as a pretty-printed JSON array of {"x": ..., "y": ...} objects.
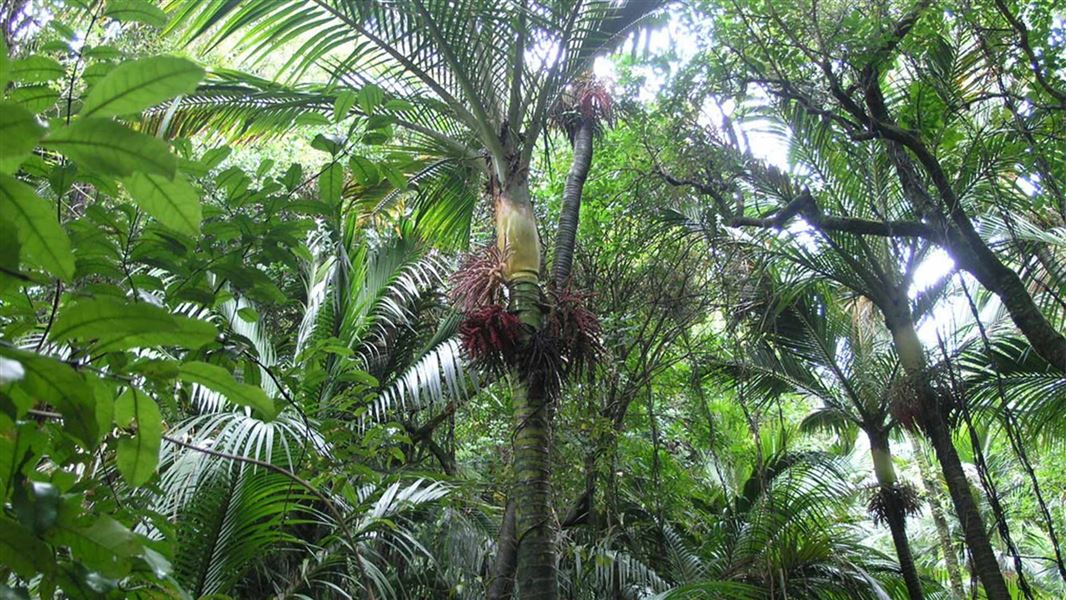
[
  {"x": 571, "y": 209},
  {"x": 895, "y": 514},
  {"x": 517, "y": 237}
]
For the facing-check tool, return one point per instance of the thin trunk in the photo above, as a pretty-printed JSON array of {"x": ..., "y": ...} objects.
[
  {"x": 934, "y": 493},
  {"x": 502, "y": 584},
  {"x": 912, "y": 358},
  {"x": 895, "y": 513},
  {"x": 566, "y": 236}
]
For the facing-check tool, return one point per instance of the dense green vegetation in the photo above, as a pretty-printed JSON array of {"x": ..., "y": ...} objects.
[{"x": 526, "y": 299}]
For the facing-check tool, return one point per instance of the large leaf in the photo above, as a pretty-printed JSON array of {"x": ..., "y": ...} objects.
[
  {"x": 112, "y": 324},
  {"x": 174, "y": 203},
  {"x": 21, "y": 551},
  {"x": 20, "y": 131},
  {"x": 364, "y": 171},
  {"x": 136, "y": 85},
  {"x": 34, "y": 98},
  {"x": 111, "y": 148},
  {"x": 331, "y": 184},
  {"x": 48, "y": 381},
  {"x": 138, "y": 452},
  {"x": 105, "y": 546},
  {"x": 140, "y": 11},
  {"x": 44, "y": 243},
  {"x": 220, "y": 380},
  {"x": 36, "y": 69}
]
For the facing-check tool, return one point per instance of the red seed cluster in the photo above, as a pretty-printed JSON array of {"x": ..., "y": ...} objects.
[
  {"x": 577, "y": 329},
  {"x": 490, "y": 335}
]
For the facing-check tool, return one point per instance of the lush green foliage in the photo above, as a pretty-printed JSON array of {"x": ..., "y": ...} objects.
[{"x": 822, "y": 244}]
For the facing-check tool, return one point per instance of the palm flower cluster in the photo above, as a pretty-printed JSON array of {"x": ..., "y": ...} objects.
[
  {"x": 491, "y": 336},
  {"x": 576, "y": 330},
  {"x": 479, "y": 280},
  {"x": 904, "y": 403},
  {"x": 905, "y": 398},
  {"x": 587, "y": 99},
  {"x": 905, "y": 494}
]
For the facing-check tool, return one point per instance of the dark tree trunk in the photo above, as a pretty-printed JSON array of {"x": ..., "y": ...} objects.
[
  {"x": 566, "y": 236},
  {"x": 935, "y": 492},
  {"x": 912, "y": 358},
  {"x": 502, "y": 584},
  {"x": 958, "y": 235},
  {"x": 895, "y": 513}
]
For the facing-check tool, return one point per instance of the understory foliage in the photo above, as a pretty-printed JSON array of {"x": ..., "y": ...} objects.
[{"x": 263, "y": 335}]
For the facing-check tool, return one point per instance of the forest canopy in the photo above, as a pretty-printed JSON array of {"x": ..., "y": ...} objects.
[{"x": 533, "y": 299}]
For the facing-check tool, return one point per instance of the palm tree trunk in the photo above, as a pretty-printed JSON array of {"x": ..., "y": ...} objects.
[
  {"x": 534, "y": 521},
  {"x": 516, "y": 234},
  {"x": 501, "y": 586},
  {"x": 895, "y": 513},
  {"x": 912, "y": 358},
  {"x": 566, "y": 235},
  {"x": 936, "y": 509}
]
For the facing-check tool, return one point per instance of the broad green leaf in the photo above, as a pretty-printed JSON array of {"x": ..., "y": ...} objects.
[
  {"x": 174, "y": 203},
  {"x": 9, "y": 269},
  {"x": 138, "y": 453},
  {"x": 214, "y": 157},
  {"x": 370, "y": 97},
  {"x": 62, "y": 178},
  {"x": 264, "y": 167},
  {"x": 248, "y": 314},
  {"x": 44, "y": 243},
  {"x": 220, "y": 380},
  {"x": 395, "y": 176},
  {"x": 293, "y": 177},
  {"x": 112, "y": 324},
  {"x": 111, "y": 148},
  {"x": 311, "y": 119},
  {"x": 105, "y": 546},
  {"x": 399, "y": 105},
  {"x": 102, "y": 52},
  {"x": 21, "y": 551},
  {"x": 36, "y": 504},
  {"x": 20, "y": 131},
  {"x": 49, "y": 381},
  {"x": 36, "y": 69},
  {"x": 331, "y": 184},
  {"x": 16, "y": 440},
  {"x": 96, "y": 72},
  {"x": 34, "y": 98},
  {"x": 365, "y": 172},
  {"x": 328, "y": 143},
  {"x": 136, "y": 85},
  {"x": 343, "y": 104},
  {"x": 140, "y": 11}
]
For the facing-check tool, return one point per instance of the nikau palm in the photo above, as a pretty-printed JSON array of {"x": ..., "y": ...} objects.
[
  {"x": 473, "y": 83},
  {"x": 832, "y": 353}
]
